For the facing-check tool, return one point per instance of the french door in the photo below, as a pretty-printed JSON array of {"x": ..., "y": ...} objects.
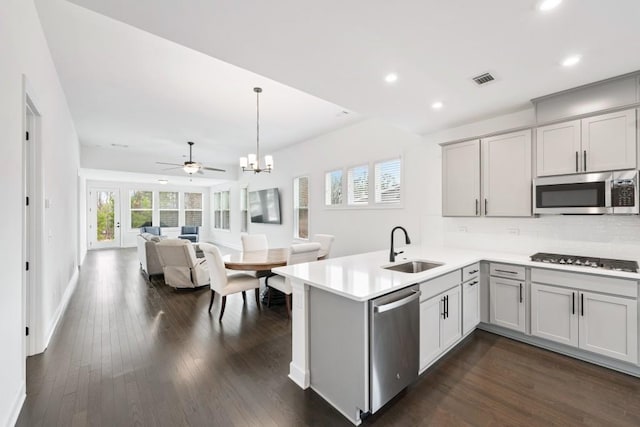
[{"x": 104, "y": 218}]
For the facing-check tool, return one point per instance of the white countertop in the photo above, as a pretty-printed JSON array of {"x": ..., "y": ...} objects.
[{"x": 361, "y": 277}]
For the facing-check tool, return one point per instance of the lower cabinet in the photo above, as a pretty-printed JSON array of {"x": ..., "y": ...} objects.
[
  {"x": 602, "y": 324},
  {"x": 507, "y": 303},
  {"x": 440, "y": 324},
  {"x": 470, "y": 305}
]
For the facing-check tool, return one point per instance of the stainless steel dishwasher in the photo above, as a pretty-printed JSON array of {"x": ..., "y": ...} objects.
[{"x": 394, "y": 344}]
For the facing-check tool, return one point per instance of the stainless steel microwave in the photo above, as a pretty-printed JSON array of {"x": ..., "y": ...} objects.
[{"x": 589, "y": 193}]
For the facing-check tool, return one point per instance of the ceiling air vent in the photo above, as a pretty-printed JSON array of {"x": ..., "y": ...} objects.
[{"x": 483, "y": 78}]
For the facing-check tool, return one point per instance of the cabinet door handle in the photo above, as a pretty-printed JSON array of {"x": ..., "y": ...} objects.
[
  {"x": 446, "y": 305},
  {"x": 584, "y": 161},
  {"x": 582, "y": 304},
  {"x": 573, "y": 303},
  {"x": 473, "y": 272},
  {"x": 444, "y": 312},
  {"x": 506, "y": 271},
  {"x": 577, "y": 161},
  {"x": 485, "y": 207},
  {"x": 521, "y": 292},
  {"x": 475, "y": 282},
  {"x": 477, "y": 207}
]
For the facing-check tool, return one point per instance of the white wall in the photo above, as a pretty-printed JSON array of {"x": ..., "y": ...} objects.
[
  {"x": 602, "y": 236},
  {"x": 128, "y": 234},
  {"x": 356, "y": 230},
  {"x": 23, "y": 50}
]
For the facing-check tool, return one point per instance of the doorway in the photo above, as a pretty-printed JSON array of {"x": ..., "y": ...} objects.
[{"x": 104, "y": 218}]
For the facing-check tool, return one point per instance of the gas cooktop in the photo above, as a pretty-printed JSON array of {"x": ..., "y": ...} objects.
[{"x": 580, "y": 261}]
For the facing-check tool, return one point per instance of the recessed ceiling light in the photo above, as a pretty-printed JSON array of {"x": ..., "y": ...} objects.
[
  {"x": 570, "y": 61},
  {"x": 437, "y": 105},
  {"x": 546, "y": 5},
  {"x": 391, "y": 78},
  {"x": 119, "y": 145},
  {"x": 163, "y": 181}
]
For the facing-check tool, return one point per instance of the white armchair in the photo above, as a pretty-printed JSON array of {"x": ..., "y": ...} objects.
[
  {"x": 298, "y": 253},
  {"x": 181, "y": 267},
  {"x": 226, "y": 284}
]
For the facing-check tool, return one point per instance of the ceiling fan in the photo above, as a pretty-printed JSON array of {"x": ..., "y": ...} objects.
[{"x": 190, "y": 167}]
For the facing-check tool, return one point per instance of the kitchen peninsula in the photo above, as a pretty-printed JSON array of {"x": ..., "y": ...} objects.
[{"x": 502, "y": 293}]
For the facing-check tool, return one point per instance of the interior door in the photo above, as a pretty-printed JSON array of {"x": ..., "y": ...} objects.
[{"x": 104, "y": 218}]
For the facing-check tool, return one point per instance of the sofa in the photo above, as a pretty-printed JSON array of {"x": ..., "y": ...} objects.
[{"x": 148, "y": 254}]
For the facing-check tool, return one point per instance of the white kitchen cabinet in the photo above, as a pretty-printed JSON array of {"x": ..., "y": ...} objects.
[
  {"x": 609, "y": 326},
  {"x": 609, "y": 141},
  {"x": 470, "y": 305},
  {"x": 507, "y": 303},
  {"x": 506, "y": 174},
  {"x": 461, "y": 179},
  {"x": 558, "y": 149},
  {"x": 554, "y": 313},
  {"x": 440, "y": 325},
  {"x": 599, "y": 143}
]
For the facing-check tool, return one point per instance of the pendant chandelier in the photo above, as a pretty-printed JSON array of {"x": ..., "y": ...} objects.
[{"x": 251, "y": 163}]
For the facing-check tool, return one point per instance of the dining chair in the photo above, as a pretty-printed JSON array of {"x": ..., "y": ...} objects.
[
  {"x": 298, "y": 253},
  {"x": 326, "y": 241},
  {"x": 255, "y": 242},
  {"x": 227, "y": 284}
]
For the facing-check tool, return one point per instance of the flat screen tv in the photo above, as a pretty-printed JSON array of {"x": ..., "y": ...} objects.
[{"x": 264, "y": 206}]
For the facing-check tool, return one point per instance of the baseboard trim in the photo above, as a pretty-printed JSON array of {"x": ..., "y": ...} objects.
[
  {"x": 12, "y": 419},
  {"x": 355, "y": 421},
  {"x": 62, "y": 307},
  {"x": 298, "y": 376}
]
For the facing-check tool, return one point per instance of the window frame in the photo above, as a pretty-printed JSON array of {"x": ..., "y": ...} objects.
[
  {"x": 245, "y": 219},
  {"x": 217, "y": 207},
  {"x": 160, "y": 210},
  {"x": 296, "y": 209},
  {"x": 132, "y": 210},
  {"x": 343, "y": 182},
  {"x": 346, "y": 184}
]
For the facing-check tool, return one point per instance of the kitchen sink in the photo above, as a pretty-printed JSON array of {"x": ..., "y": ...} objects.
[{"x": 414, "y": 266}]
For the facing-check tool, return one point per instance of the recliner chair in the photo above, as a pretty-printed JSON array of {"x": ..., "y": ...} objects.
[{"x": 181, "y": 267}]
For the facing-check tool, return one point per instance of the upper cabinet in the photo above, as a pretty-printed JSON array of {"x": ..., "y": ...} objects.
[
  {"x": 600, "y": 143},
  {"x": 461, "y": 179},
  {"x": 506, "y": 174}
]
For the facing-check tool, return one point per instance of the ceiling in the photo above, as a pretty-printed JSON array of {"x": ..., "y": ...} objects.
[{"x": 141, "y": 89}]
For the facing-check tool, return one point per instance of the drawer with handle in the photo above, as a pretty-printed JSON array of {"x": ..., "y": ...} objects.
[
  {"x": 508, "y": 271},
  {"x": 470, "y": 271}
]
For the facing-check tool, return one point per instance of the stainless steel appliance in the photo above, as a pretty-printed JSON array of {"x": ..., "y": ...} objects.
[
  {"x": 591, "y": 193},
  {"x": 605, "y": 263},
  {"x": 394, "y": 344}
]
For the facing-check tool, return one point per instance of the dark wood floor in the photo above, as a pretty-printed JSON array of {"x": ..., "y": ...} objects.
[{"x": 128, "y": 352}]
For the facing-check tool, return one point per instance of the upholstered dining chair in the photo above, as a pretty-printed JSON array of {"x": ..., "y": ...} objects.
[
  {"x": 298, "y": 253},
  {"x": 227, "y": 284},
  {"x": 181, "y": 267},
  {"x": 255, "y": 242},
  {"x": 326, "y": 241}
]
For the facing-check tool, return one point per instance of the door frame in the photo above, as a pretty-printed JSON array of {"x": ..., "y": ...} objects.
[
  {"x": 92, "y": 242},
  {"x": 32, "y": 223}
]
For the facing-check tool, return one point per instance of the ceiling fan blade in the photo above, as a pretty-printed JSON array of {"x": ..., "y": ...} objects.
[
  {"x": 170, "y": 169},
  {"x": 213, "y": 169},
  {"x": 170, "y": 164},
  {"x": 200, "y": 171}
]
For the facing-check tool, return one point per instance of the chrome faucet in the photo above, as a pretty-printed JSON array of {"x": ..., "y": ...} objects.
[{"x": 392, "y": 253}]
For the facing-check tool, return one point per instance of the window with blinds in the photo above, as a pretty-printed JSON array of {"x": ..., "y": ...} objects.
[
  {"x": 193, "y": 209},
  {"x": 169, "y": 209},
  {"x": 333, "y": 188},
  {"x": 358, "y": 185},
  {"x": 387, "y": 179},
  {"x": 301, "y": 207}
]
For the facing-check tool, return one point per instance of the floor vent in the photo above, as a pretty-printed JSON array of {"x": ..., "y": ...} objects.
[{"x": 483, "y": 79}]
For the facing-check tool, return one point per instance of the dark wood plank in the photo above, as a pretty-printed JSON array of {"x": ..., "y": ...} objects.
[{"x": 130, "y": 352}]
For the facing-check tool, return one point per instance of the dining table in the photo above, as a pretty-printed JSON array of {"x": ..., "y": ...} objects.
[{"x": 263, "y": 260}]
